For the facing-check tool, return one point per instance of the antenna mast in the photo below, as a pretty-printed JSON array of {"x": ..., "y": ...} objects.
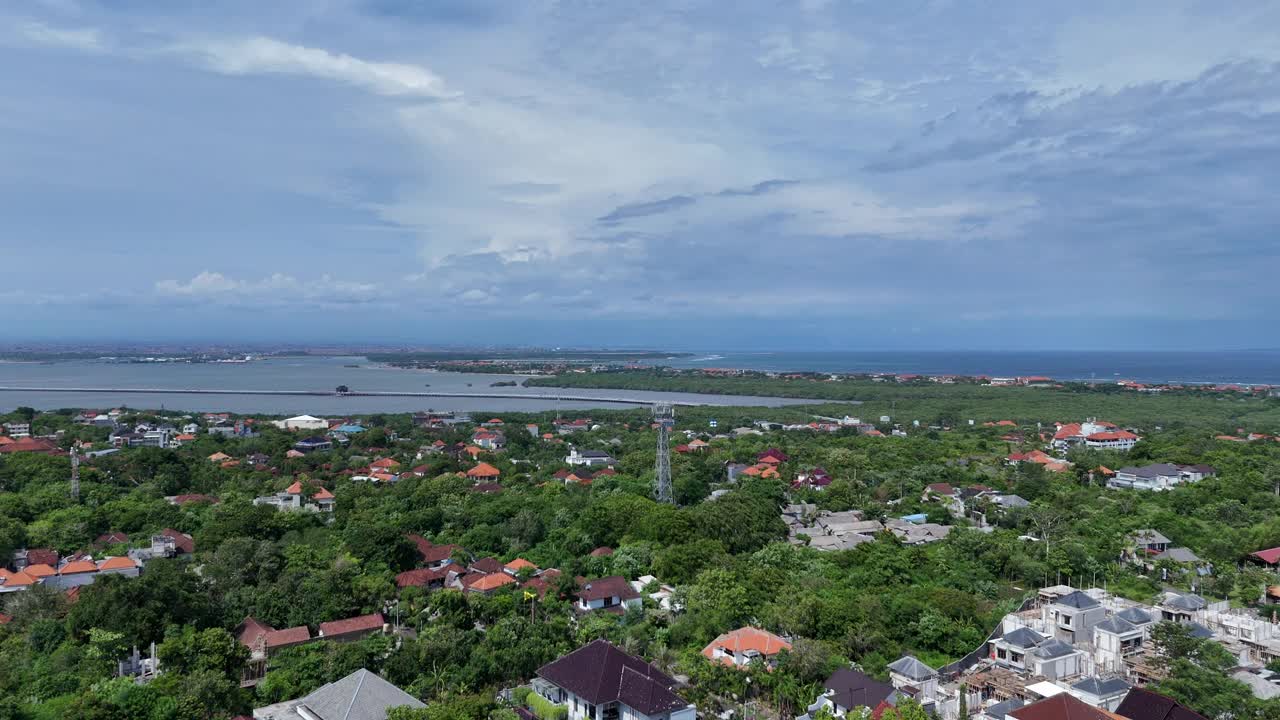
[
  {"x": 75, "y": 476},
  {"x": 664, "y": 416}
]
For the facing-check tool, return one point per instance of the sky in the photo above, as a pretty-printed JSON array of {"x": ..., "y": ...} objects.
[{"x": 683, "y": 174}]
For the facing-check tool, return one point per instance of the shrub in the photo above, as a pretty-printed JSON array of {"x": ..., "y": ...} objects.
[{"x": 545, "y": 709}]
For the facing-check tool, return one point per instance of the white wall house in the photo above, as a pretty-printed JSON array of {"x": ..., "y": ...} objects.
[
  {"x": 589, "y": 458},
  {"x": 600, "y": 682}
]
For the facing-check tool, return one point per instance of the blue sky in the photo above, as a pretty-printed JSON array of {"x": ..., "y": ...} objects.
[{"x": 817, "y": 174}]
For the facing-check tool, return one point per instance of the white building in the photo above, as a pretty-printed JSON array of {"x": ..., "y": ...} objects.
[
  {"x": 589, "y": 458},
  {"x": 302, "y": 422}
]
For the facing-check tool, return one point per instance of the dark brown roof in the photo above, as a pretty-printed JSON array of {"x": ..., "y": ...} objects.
[
  {"x": 1142, "y": 704},
  {"x": 421, "y": 577},
  {"x": 250, "y": 629},
  {"x": 600, "y": 673},
  {"x": 361, "y": 624},
  {"x": 42, "y": 556},
  {"x": 487, "y": 565},
  {"x": 607, "y": 587},
  {"x": 854, "y": 689},
  {"x": 182, "y": 541},
  {"x": 114, "y": 537},
  {"x": 1060, "y": 707},
  {"x": 432, "y": 554},
  {"x": 602, "y": 552}
]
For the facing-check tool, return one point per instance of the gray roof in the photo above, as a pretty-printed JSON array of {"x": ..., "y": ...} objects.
[
  {"x": 1184, "y": 602},
  {"x": 1151, "y": 471},
  {"x": 1001, "y": 709},
  {"x": 1011, "y": 501},
  {"x": 1023, "y": 638},
  {"x": 362, "y": 695},
  {"x": 1200, "y": 631},
  {"x": 1149, "y": 537},
  {"x": 1181, "y": 555},
  {"x": 909, "y": 666},
  {"x": 1137, "y": 616},
  {"x": 1078, "y": 600},
  {"x": 1100, "y": 688},
  {"x": 1054, "y": 649},
  {"x": 1116, "y": 626}
]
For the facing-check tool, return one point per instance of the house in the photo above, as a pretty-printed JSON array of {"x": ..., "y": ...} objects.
[
  {"x": 817, "y": 479},
  {"x": 848, "y": 690},
  {"x": 1181, "y": 607},
  {"x": 436, "y": 556},
  {"x": 362, "y": 695},
  {"x": 1063, "y": 706},
  {"x": 111, "y": 538},
  {"x": 600, "y": 682},
  {"x": 1073, "y": 616},
  {"x": 1116, "y": 639},
  {"x": 218, "y": 457},
  {"x": 489, "y": 583},
  {"x": 348, "y": 429},
  {"x": 569, "y": 427},
  {"x": 489, "y": 440},
  {"x": 915, "y": 678},
  {"x": 429, "y": 578},
  {"x": 1141, "y": 704},
  {"x": 589, "y": 458},
  {"x": 1269, "y": 557},
  {"x": 744, "y": 646},
  {"x": 351, "y": 629},
  {"x": 483, "y": 471},
  {"x": 1149, "y": 543},
  {"x": 1101, "y": 693},
  {"x": 1158, "y": 477},
  {"x": 302, "y": 422},
  {"x": 1012, "y": 648},
  {"x": 1121, "y": 440},
  {"x": 118, "y": 566},
  {"x": 514, "y": 567},
  {"x": 313, "y": 444},
  {"x": 611, "y": 594},
  {"x": 1072, "y": 434},
  {"x": 178, "y": 543},
  {"x": 295, "y": 497}
]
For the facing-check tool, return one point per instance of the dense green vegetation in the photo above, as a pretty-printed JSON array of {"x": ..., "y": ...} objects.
[
  {"x": 727, "y": 557},
  {"x": 953, "y": 404}
]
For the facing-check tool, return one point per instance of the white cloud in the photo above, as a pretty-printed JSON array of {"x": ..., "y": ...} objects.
[
  {"x": 84, "y": 39},
  {"x": 264, "y": 55}
]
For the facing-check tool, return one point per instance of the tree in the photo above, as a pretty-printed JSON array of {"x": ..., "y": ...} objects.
[{"x": 188, "y": 650}]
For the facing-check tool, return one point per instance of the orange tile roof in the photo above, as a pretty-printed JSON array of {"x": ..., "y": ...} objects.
[
  {"x": 219, "y": 457},
  {"x": 19, "y": 579},
  {"x": 746, "y": 639},
  {"x": 384, "y": 463},
  {"x": 79, "y": 566},
  {"x": 484, "y": 470},
  {"x": 519, "y": 564},
  {"x": 117, "y": 563},
  {"x": 39, "y": 570},
  {"x": 492, "y": 581}
]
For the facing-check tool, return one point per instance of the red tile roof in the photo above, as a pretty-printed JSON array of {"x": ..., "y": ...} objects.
[
  {"x": 194, "y": 498},
  {"x": 287, "y": 637},
  {"x": 43, "y": 555},
  {"x": 111, "y": 538},
  {"x": 1061, "y": 707},
  {"x": 602, "y": 552},
  {"x": 5, "y": 619},
  {"x": 1270, "y": 557},
  {"x": 421, "y": 577},
  {"x": 251, "y": 629},
  {"x": 34, "y": 445},
  {"x": 350, "y": 626},
  {"x": 1113, "y": 435}
]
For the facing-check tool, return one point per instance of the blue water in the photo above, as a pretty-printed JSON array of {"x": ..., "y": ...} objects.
[{"x": 1251, "y": 367}]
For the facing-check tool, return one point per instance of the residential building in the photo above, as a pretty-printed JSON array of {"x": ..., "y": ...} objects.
[
  {"x": 296, "y": 497},
  {"x": 1011, "y": 649},
  {"x": 589, "y": 458},
  {"x": 745, "y": 645},
  {"x": 847, "y": 690},
  {"x": 1073, "y": 616},
  {"x": 1114, "y": 640},
  {"x": 313, "y": 444},
  {"x": 1142, "y": 704},
  {"x": 600, "y": 682},
  {"x": 1158, "y": 477},
  {"x": 302, "y": 422},
  {"x": 352, "y": 629},
  {"x": 489, "y": 439},
  {"x": 1101, "y": 693},
  {"x": 914, "y": 678},
  {"x": 362, "y": 695},
  {"x": 611, "y": 594},
  {"x": 1060, "y": 707}
]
